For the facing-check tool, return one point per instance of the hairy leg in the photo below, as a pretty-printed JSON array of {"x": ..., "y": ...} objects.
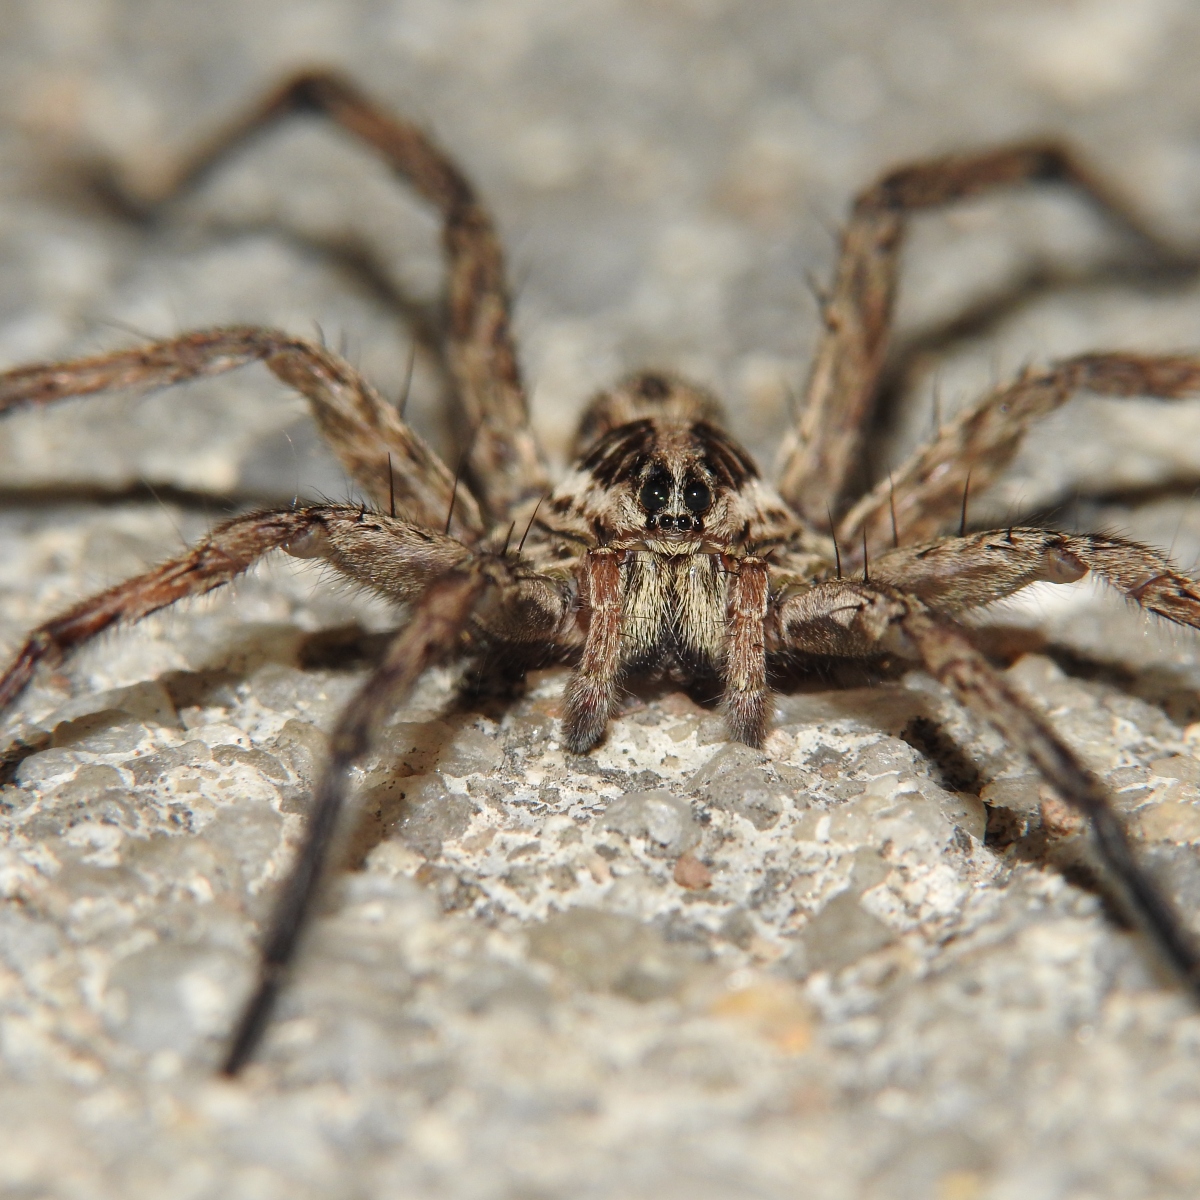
[
  {"x": 926, "y": 493},
  {"x": 390, "y": 556},
  {"x": 854, "y": 618},
  {"x": 398, "y": 469},
  {"x": 445, "y": 579},
  {"x": 957, "y": 574},
  {"x": 826, "y": 441},
  {"x": 439, "y": 618},
  {"x": 505, "y": 461}
]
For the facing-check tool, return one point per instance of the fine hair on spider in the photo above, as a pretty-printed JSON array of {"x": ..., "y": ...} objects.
[{"x": 663, "y": 543}]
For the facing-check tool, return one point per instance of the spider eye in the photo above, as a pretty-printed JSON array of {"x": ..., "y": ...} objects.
[
  {"x": 697, "y": 497},
  {"x": 656, "y": 493}
]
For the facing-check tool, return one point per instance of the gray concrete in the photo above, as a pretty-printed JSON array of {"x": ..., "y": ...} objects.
[{"x": 515, "y": 996}]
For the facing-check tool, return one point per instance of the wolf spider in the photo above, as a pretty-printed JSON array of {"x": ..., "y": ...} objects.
[{"x": 662, "y": 544}]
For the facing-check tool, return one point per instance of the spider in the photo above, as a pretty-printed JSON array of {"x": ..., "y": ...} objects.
[{"x": 663, "y": 546}]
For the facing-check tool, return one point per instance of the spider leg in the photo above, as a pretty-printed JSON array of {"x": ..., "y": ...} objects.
[
  {"x": 439, "y": 618},
  {"x": 980, "y": 442},
  {"x": 854, "y": 619},
  {"x": 525, "y": 606},
  {"x": 956, "y": 574},
  {"x": 823, "y": 447},
  {"x": 505, "y": 459},
  {"x": 446, "y": 580},
  {"x": 390, "y": 556},
  {"x": 386, "y": 457}
]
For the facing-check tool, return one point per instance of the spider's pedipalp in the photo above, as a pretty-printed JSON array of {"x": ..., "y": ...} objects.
[
  {"x": 592, "y": 690},
  {"x": 924, "y": 494},
  {"x": 385, "y": 456},
  {"x": 823, "y": 448},
  {"x": 745, "y": 701}
]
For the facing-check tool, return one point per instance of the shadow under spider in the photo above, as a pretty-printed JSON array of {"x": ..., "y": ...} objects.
[
  {"x": 915, "y": 354},
  {"x": 99, "y": 495},
  {"x": 1170, "y": 689}
]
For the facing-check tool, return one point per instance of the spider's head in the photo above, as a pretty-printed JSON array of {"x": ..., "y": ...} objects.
[
  {"x": 671, "y": 481},
  {"x": 655, "y": 468}
]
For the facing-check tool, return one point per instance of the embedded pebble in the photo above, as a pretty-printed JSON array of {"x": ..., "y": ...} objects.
[
  {"x": 605, "y": 951},
  {"x": 664, "y": 819},
  {"x": 842, "y": 933}
]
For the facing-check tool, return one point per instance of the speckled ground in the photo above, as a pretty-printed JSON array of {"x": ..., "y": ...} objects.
[{"x": 866, "y": 962}]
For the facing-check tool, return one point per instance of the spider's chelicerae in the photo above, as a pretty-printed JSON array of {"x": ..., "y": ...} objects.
[{"x": 663, "y": 545}]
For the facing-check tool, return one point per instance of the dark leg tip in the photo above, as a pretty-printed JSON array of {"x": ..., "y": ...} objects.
[
  {"x": 585, "y": 714},
  {"x": 746, "y": 716},
  {"x": 579, "y": 737},
  {"x": 251, "y": 1027}
]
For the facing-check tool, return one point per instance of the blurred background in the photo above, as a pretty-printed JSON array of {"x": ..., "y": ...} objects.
[{"x": 668, "y": 177}]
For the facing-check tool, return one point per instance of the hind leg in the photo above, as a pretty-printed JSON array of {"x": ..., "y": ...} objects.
[
  {"x": 505, "y": 462},
  {"x": 825, "y": 444}
]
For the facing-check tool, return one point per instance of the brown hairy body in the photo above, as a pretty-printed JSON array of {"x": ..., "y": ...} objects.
[{"x": 663, "y": 547}]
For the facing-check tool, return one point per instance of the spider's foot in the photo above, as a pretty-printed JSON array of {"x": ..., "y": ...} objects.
[
  {"x": 746, "y": 715},
  {"x": 585, "y": 714}
]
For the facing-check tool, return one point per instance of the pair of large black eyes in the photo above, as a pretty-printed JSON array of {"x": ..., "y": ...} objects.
[{"x": 656, "y": 495}]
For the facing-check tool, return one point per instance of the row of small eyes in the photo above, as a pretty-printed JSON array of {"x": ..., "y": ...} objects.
[{"x": 656, "y": 495}]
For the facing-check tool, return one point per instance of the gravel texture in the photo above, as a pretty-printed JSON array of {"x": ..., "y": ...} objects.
[{"x": 870, "y": 961}]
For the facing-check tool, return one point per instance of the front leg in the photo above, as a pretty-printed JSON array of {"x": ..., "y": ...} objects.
[{"x": 955, "y": 575}]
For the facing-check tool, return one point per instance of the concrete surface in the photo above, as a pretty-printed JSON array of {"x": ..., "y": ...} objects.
[{"x": 860, "y": 964}]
